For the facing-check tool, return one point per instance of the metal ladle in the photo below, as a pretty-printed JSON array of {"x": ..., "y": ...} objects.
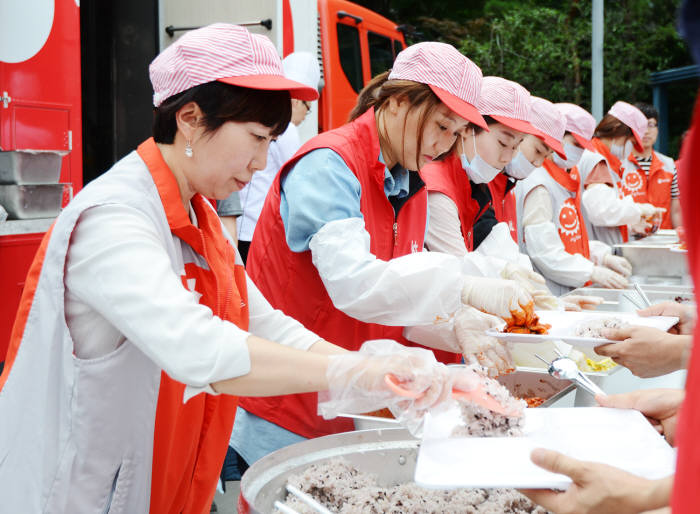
[{"x": 565, "y": 368}]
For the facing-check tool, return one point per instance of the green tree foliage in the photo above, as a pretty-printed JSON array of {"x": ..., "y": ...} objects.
[{"x": 546, "y": 45}]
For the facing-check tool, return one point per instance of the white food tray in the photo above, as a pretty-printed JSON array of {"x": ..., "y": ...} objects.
[
  {"x": 564, "y": 324},
  {"x": 617, "y": 437}
]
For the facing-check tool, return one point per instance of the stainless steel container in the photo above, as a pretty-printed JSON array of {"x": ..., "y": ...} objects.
[
  {"x": 652, "y": 259},
  {"x": 31, "y": 201},
  {"x": 614, "y": 300},
  {"x": 391, "y": 454},
  {"x": 26, "y": 167}
]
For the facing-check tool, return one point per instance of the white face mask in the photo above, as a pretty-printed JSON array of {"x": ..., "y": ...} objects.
[
  {"x": 573, "y": 155},
  {"x": 519, "y": 167},
  {"x": 479, "y": 171},
  {"x": 619, "y": 150}
]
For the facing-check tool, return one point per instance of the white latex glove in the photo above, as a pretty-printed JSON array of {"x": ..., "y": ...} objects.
[
  {"x": 479, "y": 348},
  {"x": 502, "y": 298},
  {"x": 533, "y": 283},
  {"x": 608, "y": 278},
  {"x": 577, "y": 303},
  {"x": 356, "y": 382},
  {"x": 618, "y": 264}
]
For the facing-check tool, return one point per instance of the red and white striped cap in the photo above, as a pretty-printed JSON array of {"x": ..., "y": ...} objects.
[
  {"x": 633, "y": 118},
  {"x": 550, "y": 122},
  {"x": 453, "y": 78},
  {"x": 580, "y": 123},
  {"x": 508, "y": 103},
  {"x": 226, "y": 53}
]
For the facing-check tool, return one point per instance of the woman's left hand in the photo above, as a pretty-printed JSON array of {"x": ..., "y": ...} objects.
[{"x": 596, "y": 488}]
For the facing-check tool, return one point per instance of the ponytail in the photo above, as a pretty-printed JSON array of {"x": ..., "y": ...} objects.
[{"x": 369, "y": 95}]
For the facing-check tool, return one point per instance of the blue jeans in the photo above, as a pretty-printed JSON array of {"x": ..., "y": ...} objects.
[{"x": 253, "y": 437}]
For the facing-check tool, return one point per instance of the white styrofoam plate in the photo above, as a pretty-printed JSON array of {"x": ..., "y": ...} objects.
[
  {"x": 564, "y": 324},
  {"x": 617, "y": 437}
]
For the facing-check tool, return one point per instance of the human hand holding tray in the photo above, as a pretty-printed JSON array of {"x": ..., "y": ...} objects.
[
  {"x": 619, "y": 437},
  {"x": 564, "y": 324}
]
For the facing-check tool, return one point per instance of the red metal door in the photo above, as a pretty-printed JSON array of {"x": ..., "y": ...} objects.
[
  {"x": 39, "y": 110},
  {"x": 40, "y": 84}
]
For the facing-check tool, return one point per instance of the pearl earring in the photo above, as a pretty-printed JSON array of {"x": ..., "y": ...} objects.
[{"x": 188, "y": 149}]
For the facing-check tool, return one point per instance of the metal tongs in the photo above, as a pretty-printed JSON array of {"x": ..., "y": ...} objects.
[
  {"x": 565, "y": 368},
  {"x": 477, "y": 396}
]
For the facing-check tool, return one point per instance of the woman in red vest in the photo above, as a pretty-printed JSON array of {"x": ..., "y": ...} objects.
[
  {"x": 338, "y": 244},
  {"x": 138, "y": 325},
  {"x": 606, "y": 211},
  {"x": 478, "y": 159},
  {"x": 458, "y": 186}
]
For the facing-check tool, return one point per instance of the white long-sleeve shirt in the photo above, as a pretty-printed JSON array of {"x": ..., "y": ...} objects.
[
  {"x": 120, "y": 284},
  {"x": 444, "y": 228},
  {"x": 605, "y": 209},
  {"x": 544, "y": 246}
]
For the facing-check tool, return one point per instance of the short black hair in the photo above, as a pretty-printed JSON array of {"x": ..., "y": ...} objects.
[
  {"x": 221, "y": 103},
  {"x": 648, "y": 110}
]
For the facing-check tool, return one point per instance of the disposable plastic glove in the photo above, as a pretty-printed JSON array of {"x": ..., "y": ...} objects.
[
  {"x": 533, "y": 283},
  {"x": 502, "y": 298},
  {"x": 356, "y": 382},
  {"x": 580, "y": 302},
  {"x": 479, "y": 348},
  {"x": 608, "y": 278},
  {"x": 618, "y": 264}
]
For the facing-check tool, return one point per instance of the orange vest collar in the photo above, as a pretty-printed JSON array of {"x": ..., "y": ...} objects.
[
  {"x": 563, "y": 178},
  {"x": 614, "y": 163}
]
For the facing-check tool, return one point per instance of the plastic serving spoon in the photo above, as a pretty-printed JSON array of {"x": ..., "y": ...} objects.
[{"x": 477, "y": 396}]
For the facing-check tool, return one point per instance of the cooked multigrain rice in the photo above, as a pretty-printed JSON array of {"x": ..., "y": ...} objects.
[
  {"x": 595, "y": 327},
  {"x": 344, "y": 489},
  {"x": 478, "y": 421}
]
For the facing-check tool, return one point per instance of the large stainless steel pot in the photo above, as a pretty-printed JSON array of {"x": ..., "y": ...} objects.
[{"x": 391, "y": 454}]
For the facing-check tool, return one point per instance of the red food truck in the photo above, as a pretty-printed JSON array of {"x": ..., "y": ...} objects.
[{"x": 76, "y": 97}]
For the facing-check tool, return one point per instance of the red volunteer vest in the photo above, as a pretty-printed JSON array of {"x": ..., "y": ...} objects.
[
  {"x": 572, "y": 228},
  {"x": 504, "y": 203},
  {"x": 449, "y": 178},
  {"x": 615, "y": 166},
  {"x": 190, "y": 439},
  {"x": 291, "y": 283},
  {"x": 686, "y": 493},
  {"x": 655, "y": 190}
]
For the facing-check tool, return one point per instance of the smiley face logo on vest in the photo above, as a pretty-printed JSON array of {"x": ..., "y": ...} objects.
[
  {"x": 568, "y": 221},
  {"x": 633, "y": 181}
]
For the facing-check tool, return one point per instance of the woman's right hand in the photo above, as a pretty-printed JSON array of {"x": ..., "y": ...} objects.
[
  {"x": 499, "y": 297},
  {"x": 356, "y": 382},
  {"x": 608, "y": 278}
]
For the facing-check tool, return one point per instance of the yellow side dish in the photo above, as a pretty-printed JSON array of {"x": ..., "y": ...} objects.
[{"x": 601, "y": 365}]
